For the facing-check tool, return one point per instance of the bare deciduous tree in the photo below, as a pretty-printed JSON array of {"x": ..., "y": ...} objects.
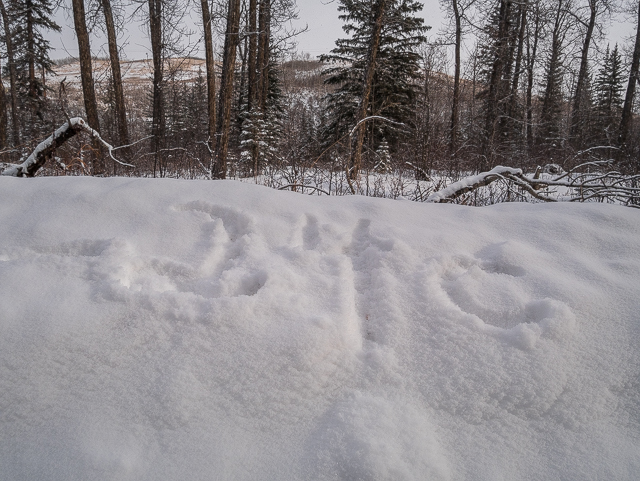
[
  {"x": 231, "y": 41},
  {"x": 86, "y": 75},
  {"x": 627, "y": 114},
  {"x": 211, "y": 74},
  {"x": 116, "y": 74}
]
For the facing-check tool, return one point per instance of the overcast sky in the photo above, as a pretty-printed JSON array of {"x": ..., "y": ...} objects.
[{"x": 321, "y": 17}]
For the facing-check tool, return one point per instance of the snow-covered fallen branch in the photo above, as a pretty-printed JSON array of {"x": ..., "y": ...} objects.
[
  {"x": 302, "y": 187},
  {"x": 578, "y": 186},
  {"x": 468, "y": 184},
  {"x": 46, "y": 149}
]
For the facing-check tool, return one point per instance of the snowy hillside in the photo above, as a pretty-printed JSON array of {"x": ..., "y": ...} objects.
[
  {"x": 174, "y": 330},
  {"x": 133, "y": 71}
]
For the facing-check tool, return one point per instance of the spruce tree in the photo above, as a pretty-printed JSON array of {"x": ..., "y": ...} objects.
[
  {"x": 582, "y": 118},
  {"x": 550, "y": 132},
  {"x": 609, "y": 81},
  {"x": 260, "y": 131},
  {"x": 383, "y": 156},
  {"x": 31, "y": 20},
  {"x": 395, "y": 88},
  {"x": 608, "y": 89},
  {"x": 498, "y": 43}
]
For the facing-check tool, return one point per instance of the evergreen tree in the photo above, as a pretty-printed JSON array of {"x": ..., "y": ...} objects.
[
  {"x": 496, "y": 58},
  {"x": 609, "y": 81},
  {"x": 260, "y": 132},
  {"x": 608, "y": 91},
  {"x": 260, "y": 135},
  {"x": 582, "y": 121},
  {"x": 395, "y": 88},
  {"x": 384, "y": 158},
  {"x": 31, "y": 20},
  {"x": 550, "y": 132}
]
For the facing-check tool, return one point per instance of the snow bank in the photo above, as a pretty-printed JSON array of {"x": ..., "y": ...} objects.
[{"x": 160, "y": 330}]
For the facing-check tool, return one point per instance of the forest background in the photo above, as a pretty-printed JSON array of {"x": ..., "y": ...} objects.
[{"x": 524, "y": 84}]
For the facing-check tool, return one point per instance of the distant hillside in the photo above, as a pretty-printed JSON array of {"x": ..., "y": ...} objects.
[
  {"x": 295, "y": 74},
  {"x": 133, "y": 71}
]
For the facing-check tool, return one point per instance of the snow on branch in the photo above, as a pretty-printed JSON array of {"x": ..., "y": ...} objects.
[
  {"x": 46, "y": 149},
  {"x": 576, "y": 185},
  {"x": 474, "y": 182},
  {"x": 374, "y": 117}
]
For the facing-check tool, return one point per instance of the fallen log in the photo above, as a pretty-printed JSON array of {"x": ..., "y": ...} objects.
[{"x": 47, "y": 148}]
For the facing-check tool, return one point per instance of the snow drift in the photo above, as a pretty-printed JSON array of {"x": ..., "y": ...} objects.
[{"x": 160, "y": 330}]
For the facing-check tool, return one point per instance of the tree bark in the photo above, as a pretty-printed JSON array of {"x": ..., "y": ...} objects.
[
  {"x": 86, "y": 75},
  {"x": 4, "y": 120},
  {"x": 496, "y": 83},
  {"x": 15, "y": 122},
  {"x": 627, "y": 114},
  {"x": 33, "y": 93},
  {"x": 232, "y": 38},
  {"x": 211, "y": 73},
  {"x": 455, "y": 108},
  {"x": 158, "y": 120},
  {"x": 513, "y": 100},
  {"x": 551, "y": 103},
  {"x": 116, "y": 74},
  {"x": 374, "y": 46},
  {"x": 532, "y": 53},
  {"x": 263, "y": 54},
  {"x": 252, "y": 59},
  {"x": 576, "y": 111}
]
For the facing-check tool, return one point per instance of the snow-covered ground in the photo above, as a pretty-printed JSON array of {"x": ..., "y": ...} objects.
[{"x": 176, "y": 330}]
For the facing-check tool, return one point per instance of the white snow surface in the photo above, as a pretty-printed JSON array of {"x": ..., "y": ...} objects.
[{"x": 197, "y": 330}]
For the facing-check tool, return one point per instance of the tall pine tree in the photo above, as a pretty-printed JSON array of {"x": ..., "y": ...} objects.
[
  {"x": 499, "y": 39},
  {"x": 396, "y": 80},
  {"x": 608, "y": 89},
  {"x": 262, "y": 124},
  {"x": 31, "y": 20}
]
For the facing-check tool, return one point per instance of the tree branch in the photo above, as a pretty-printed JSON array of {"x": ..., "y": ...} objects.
[{"x": 47, "y": 148}]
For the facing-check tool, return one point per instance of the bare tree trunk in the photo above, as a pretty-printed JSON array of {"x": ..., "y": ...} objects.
[
  {"x": 259, "y": 69},
  {"x": 226, "y": 87},
  {"x": 252, "y": 55},
  {"x": 116, "y": 74},
  {"x": 263, "y": 54},
  {"x": 513, "y": 101},
  {"x": 12, "y": 75},
  {"x": 532, "y": 52},
  {"x": 86, "y": 75},
  {"x": 158, "y": 121},
  {"x": 496, "y": 83},
  {"x": 4, "y": 120},
  {"x": 551, "y": 103},
  {"x": 455, "y": 105},
  {"x": 576, "y": 111},
  {"x": 31, "y": 53},
  {"x": 421, "y": 173},
  {"x": 374, "y": 46},
  {"x": 627, "y": 114},
  {"x": 211, "y": 73},
  {"x": 243, "y": 48}
]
